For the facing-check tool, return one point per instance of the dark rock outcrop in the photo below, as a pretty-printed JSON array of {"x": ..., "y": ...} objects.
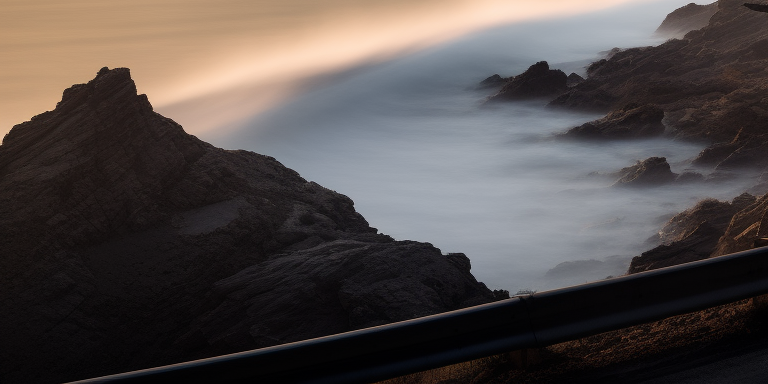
[
  {"x": 630, "y": 122},
  {"x": 126, "y": 243},
  {"x": 686, "y": 18},
  {"x": 652, "y": 171},
  {"x": 536, "y": 82}
]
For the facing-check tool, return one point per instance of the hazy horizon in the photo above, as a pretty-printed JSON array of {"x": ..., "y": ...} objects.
[{"x": 208, "y": 64}]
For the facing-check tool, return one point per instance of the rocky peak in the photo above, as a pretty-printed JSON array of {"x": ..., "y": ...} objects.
[
  {"x": 109, "y": 86},
  {"x": 102, "y": 144}
]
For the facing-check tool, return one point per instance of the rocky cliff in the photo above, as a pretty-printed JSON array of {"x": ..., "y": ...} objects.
[{"x": 126, "y": 243}]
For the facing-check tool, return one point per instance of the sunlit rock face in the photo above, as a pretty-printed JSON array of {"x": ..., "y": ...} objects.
[{"x": 126, "y": 243}]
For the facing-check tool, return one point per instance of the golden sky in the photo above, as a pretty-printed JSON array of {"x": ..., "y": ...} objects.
[{"x": 182, "y": 50}]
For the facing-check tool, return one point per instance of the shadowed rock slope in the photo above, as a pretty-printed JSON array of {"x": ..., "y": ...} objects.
[{"x": 126, "y": 243}]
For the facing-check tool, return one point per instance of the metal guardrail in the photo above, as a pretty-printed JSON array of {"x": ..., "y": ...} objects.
[{"x": 537, "y": 320}]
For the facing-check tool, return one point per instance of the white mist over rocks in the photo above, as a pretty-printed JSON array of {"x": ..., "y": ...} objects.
[{"x": 411, "y": 143}]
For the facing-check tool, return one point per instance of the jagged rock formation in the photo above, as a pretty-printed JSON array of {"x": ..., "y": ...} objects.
[
  {"x": 126, "y": 243},
  {"x": 686, "y": 18},
  {"x": 537, "y": 81}
]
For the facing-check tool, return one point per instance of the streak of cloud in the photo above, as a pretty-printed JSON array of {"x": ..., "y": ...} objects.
[{"x": 183, "y": 51}]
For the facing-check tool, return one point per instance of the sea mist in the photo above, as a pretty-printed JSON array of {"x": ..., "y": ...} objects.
[{"x": 413, "y": 144}]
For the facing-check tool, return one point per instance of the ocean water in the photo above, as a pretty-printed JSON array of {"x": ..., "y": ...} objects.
[{"x": 411, "y": 141}]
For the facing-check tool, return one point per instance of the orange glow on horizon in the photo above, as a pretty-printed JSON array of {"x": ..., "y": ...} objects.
[
  {"x": 180, "y": 51},
  {"x": 351, "y": 38}
]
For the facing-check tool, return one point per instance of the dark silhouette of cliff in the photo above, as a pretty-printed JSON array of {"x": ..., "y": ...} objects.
[{"x": 126, "y": 243}]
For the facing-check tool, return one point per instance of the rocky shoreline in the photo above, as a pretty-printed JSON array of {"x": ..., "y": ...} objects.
[{"x": 707, "y": 83}]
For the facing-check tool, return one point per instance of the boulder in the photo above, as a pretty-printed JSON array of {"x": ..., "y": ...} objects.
[
  {"x": 537, "y": 81},
  {"x": 652, "y": 171}
]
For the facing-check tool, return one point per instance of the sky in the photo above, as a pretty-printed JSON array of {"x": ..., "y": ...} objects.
[{"x": 233, "y": 57}]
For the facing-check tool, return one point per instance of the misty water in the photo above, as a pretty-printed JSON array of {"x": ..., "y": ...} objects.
[{"x": 410, "y": 141}]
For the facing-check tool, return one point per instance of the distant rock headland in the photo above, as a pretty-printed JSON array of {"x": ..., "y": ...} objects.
[
  {"x": 686, "y": 18},
  {"x": 708, "y": 84},
  {"x": 127, "y": 243}
]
